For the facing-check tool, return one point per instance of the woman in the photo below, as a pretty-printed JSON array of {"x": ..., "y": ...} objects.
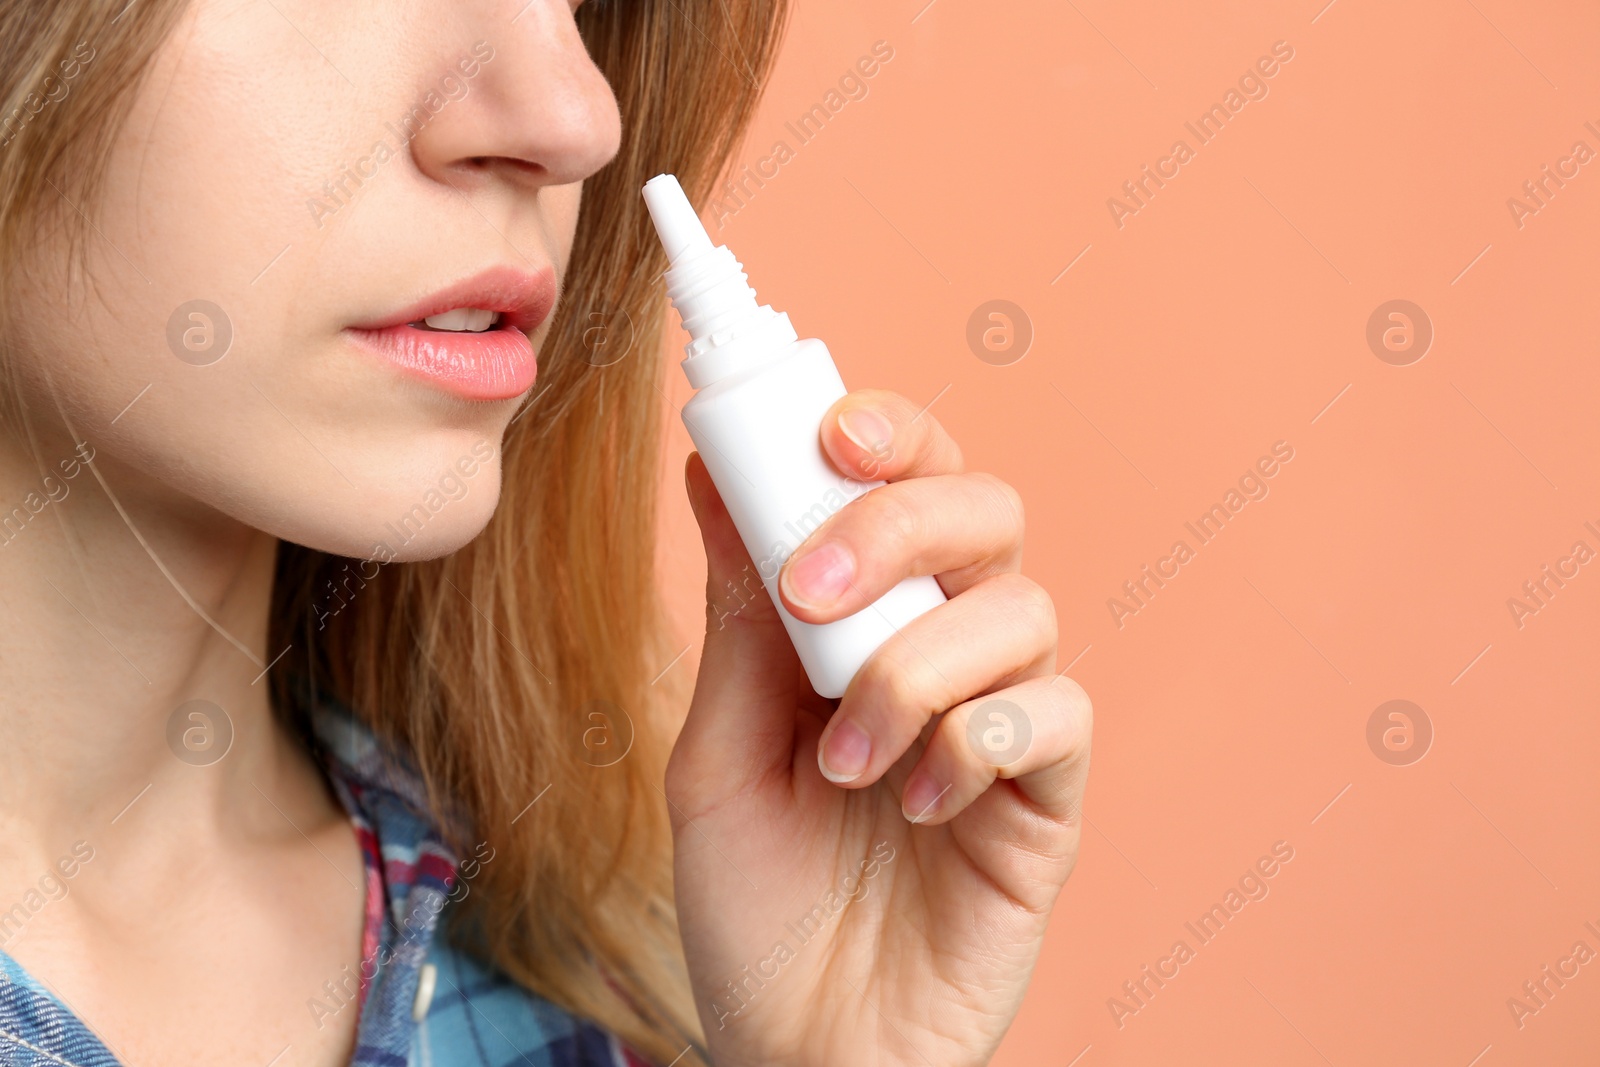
[{"x": 338, "y": 698}]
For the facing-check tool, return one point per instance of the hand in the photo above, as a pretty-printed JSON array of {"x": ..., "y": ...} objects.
[{"x": 894, "y": 917}]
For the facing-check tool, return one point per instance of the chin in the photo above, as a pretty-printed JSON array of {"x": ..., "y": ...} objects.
[
  {"x": 441, "y": 510},
  {"x": 417, "y": 533},
  {"x": 422, "y": 508}
]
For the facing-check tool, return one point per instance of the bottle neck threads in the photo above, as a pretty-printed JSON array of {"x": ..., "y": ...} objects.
[{"x": 728, "y": 328}]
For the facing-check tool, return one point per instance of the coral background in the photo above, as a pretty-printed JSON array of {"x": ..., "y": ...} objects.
[{"x": 1429, "y": 880}]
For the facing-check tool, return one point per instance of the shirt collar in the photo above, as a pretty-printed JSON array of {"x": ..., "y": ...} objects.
[{"x": 410, "y": 873}]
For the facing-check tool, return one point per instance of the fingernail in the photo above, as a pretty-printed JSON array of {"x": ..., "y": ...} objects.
[
  {"x": 920, "y": 801},
  {"x": 867, "y": 430},
  {"x": 821, "y": 575},
  {"x": 844, "y": 755}
]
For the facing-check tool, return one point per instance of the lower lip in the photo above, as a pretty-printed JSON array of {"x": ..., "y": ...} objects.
[{"x": 496, "y": 364}]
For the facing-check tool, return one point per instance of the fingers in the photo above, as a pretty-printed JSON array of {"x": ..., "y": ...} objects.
[
  {"x": 964, "y": 528},
  {"x": 873, "y": 434},
  {"x": 733, "y": 588},
  {"x": 1036, "y": 733},
  {"x": 931, "y": 519},
  {"x": 748, "y": 663},
  {"x": 1001, "y": 631}
]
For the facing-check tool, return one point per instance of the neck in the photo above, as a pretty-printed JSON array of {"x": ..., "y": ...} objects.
[{"x": 120, "y": 602}]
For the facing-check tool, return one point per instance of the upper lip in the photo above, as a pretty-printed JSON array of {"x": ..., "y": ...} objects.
[{"x": 523, "y": 298}]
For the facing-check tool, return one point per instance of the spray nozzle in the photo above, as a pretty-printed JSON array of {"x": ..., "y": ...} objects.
[
  {"x": 728, "y": 328},
  {"x": 676, "y": 222}
]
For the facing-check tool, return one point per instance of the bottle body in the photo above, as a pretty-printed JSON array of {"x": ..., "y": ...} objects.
[{"x": 758, "y": 432}]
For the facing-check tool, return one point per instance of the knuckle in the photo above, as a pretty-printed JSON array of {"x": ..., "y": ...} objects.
[
  {"x": 1035, "y": 602},
  {"x": 892, "y": 518},
  {"x": 968, "y": 772},
  {"x": 930, "y": 448},
  {"x": 938, "y": 444},
  {"x": 1007, "y": 501},
  {"x": 999, "y": 508},
  {"x": 908, "y": 684},
  {"x": 1015, "y": 509},
  {"x": 874, "y": 685},
  {"x": 1077, "y": 711},
  {"x": 901, "y": 680}
]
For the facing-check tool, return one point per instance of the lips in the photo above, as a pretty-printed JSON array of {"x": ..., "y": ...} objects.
[{"x": 495, "y": 364}]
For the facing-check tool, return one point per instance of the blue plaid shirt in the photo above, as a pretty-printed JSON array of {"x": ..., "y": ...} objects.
[{"x": 421, "y": 1001}]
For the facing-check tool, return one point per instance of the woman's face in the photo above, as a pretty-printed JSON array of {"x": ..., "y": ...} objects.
[{"x": 299, "y": 187}]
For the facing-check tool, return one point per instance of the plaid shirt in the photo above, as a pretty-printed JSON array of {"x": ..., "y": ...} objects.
[{"x": 420, "y": 1000}]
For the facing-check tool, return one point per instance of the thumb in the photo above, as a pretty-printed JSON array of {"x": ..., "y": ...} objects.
[{"x": 745, "y": 695}]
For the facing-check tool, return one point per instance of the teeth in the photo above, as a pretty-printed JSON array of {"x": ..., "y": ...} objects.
[{"x": 464, "y": 320}]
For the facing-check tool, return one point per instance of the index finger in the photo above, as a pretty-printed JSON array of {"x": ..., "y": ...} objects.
[{"x": 873, "y": 433}]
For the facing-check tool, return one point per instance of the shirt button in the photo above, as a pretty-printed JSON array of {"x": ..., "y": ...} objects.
[{"x": 426, "y": 980}]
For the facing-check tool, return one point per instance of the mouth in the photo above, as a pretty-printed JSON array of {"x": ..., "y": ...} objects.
[{"x": 471, "y": 338}]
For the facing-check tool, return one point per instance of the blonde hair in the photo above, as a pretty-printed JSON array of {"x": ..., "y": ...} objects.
[{"x": 489, "y": 665}]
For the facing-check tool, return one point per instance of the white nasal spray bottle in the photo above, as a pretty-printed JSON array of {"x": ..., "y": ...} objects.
[{"x": 756, "y": 418}]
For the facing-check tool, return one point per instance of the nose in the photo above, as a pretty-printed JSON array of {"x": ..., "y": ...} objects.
[{"x": 535, "y": 112}]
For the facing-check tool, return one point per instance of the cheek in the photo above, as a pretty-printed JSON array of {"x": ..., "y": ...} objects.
[{"x": 207, "y": 356}]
